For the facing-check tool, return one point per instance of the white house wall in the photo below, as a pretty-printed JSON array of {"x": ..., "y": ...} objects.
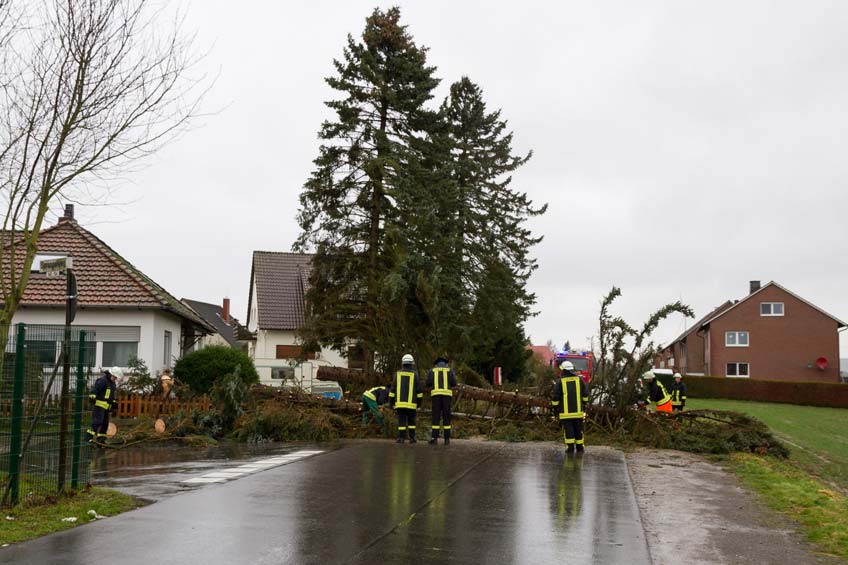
[
  {"x": 264, "y": 354},
  {"x": 151, "y": 323}
]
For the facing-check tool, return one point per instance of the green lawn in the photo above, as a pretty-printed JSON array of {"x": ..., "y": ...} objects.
[{"x": 817, "y": 437}]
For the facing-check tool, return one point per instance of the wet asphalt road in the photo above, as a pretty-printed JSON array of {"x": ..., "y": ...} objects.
[{"x": 374, "y": 501}]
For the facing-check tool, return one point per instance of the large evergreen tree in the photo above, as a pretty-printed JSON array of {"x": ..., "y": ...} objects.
[{"x": 350, "y": 202}]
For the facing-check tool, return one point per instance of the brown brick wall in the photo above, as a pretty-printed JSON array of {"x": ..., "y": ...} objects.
[
  {"x": 695, "y": 353},
  {"x": 780, "y": 348}
]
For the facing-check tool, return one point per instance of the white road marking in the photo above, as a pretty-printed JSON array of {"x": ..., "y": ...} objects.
[{"x": 228, "y": 473}]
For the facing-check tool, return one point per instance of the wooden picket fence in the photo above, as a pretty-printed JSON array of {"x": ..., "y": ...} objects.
[{"x": 136, "y": 405}]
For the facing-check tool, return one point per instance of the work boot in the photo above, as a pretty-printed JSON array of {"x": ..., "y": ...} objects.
[
  {"x": 412, "y": 437},
  {"x": 579, "y": 449},
  {"x": 447, "y": 437},
  {"x": 400, "y": 439},
  {"x": 570, "y": 448},
  {"x": 435, "y": 439}
]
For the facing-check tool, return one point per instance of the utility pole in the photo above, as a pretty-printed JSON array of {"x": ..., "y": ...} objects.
[{"x": 64, "y": 402}]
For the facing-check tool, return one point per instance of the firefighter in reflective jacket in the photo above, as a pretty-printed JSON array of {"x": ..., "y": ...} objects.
[
  {"x": 678, "y": 393},
  {"x": 570, "y": 396},
  {"x": 441, "y": 380},
  {"x": 371, "y": 399},
  {"x": 104, "y": 399},
  {"x": 657, "y": 392},
  {"x": 405, "y": 395}
]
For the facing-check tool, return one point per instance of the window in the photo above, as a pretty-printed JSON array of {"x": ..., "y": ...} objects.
[
  {"x": 89, "y": 354},
  {"x": 119, "y": 353},
  {"x": 166, "y": 360},
  {"x": 44, "y": 352},
  {"x": 282, "y": 373},
  {"x": 39, "y": 257},
  {"x": 736, "y": 339},
  {"x": 737, "y": 370},
  {"x": 771, "y": 308},
  {"x": 292, "y": 352}
]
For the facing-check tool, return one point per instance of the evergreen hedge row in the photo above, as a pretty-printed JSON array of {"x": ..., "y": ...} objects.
[{"x": 832, "y": 395}]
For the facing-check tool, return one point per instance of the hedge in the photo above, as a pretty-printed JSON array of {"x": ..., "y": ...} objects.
[{"x": 832, "y": 395}]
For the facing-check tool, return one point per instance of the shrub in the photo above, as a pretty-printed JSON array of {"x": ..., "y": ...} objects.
[
  {"x": 140, "y": 380},
  {"x": 200, "y": 369}
]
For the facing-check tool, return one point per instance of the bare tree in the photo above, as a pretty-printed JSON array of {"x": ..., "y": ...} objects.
[{"x": 87, "y": 87}]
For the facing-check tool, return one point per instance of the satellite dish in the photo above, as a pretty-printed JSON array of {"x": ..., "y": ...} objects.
[
  {"x": 111, "y": 430},
  {"x": 159, "y": 426},
  {"x": 821, "y": 363}
]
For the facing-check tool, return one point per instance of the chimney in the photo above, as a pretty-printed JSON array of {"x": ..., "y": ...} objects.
[
  {"x": 755, "y": 286},
  {"x": 225, "y": 315},
  {"x": 69, "y": 212}
]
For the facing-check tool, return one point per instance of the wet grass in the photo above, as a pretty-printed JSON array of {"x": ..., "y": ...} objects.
[
  {"x": 31, "y": 521},
  {"x": 816, "y": 436},
  {"x": 822, "y": 511}
]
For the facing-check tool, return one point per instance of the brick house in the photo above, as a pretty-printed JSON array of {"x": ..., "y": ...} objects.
[{"x": 771, "y": 334}]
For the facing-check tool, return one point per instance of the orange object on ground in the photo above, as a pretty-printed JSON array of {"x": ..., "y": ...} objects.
[{"x": 664, "y": 407}]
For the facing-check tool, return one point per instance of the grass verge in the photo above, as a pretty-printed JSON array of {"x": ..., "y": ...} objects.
[
  {"x": 821, "y": 511},
  {"x": 815, "y": 436},
  {"x": 38, "y": 520}
]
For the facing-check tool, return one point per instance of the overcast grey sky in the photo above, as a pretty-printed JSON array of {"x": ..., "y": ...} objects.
[{"x": 685, "y": 148}]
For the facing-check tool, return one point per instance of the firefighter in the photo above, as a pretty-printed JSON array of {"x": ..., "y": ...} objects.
[
  {"x": 441, "y": 380},
  {"x": 104, "y": 399},
  {"x": 405, "y": 395},
  {"x": 371, "y": 400},
  {"x": 657, "y": 392},
  {"x": 570, "y": 396},
  {"x": 678, "y": 393}
]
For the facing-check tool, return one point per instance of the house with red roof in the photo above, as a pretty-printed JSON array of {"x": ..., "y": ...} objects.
[
  {"x": 276, "y": 311},
  {"x": 125, "y": 312}
]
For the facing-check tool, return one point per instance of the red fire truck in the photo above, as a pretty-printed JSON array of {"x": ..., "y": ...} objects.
[{"x": 583, "y": 362}]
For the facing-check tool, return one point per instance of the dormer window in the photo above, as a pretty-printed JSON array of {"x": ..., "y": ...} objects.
[
  {"x": 771, "y": 308},
  {"x": 39, "y": 257}
]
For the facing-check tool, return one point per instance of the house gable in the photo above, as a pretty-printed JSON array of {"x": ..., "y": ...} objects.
[{"x": 783, "y": 347}]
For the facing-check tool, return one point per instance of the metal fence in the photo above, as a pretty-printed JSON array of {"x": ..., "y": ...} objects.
[{"x": 45, "y": 378}]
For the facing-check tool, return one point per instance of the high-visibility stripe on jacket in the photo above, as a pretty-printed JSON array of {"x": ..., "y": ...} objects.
[
  {"x": 406, "y": 392},
  {"x": 659, "y": 394},
  {"x": 678, "y": 394},
  {"x": 103, "y": 393},
  {"x": 570, "y": 397},
  {"x": 377, "y": 394},
  {"x": 441, "y": 379}
]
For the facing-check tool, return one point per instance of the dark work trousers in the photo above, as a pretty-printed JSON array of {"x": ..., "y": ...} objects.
[
  {"x": 406, "y": 421},
  {"x": 573, "y": 428},
  {"x": 441, "y": 414},
  {"x": 99, "y": 423}
]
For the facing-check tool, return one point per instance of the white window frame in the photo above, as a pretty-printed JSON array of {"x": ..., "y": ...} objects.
[
  {"x": 771, "y": 313},
  {"x": 736, "y": 335},
  {"x": 737, "y": 375}
]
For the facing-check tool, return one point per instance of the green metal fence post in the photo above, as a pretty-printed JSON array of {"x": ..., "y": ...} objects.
[
  {"x": 75, "y": 438},
  {"x": 17, "y": 416}
]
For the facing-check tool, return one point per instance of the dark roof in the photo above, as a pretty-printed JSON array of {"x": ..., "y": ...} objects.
[
  {"x": 697, "y": 325},
  {"x": 281, "y": 281},
  {"x": 214, "y": 314},
  {"x": 709, "y": 319},
  {"x": 104, "y": 278}
]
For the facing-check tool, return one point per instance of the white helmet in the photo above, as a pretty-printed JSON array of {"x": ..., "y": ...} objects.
[
  {"x": 408, "y": 359},
  {"x": 116, "y": 372},
  {"x": 648, "y": 375},
  {"x": 678, "y": 376},
  {"x": 567, "y": 366}
]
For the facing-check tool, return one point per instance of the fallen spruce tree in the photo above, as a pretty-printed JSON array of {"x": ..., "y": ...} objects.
[{"x": 526, "y": 417}]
